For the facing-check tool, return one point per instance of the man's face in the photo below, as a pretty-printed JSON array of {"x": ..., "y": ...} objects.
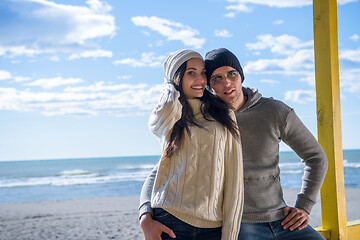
[{"x": 230, "y": 88}]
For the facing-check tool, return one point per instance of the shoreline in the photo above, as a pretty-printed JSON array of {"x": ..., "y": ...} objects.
[{"x": 106, "y": 218}]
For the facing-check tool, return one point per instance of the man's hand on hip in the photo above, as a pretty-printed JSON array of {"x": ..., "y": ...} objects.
[{"x": 295, "y": 218}]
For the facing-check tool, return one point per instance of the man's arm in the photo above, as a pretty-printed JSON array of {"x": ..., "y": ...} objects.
[{"x": 300, "y": 139}]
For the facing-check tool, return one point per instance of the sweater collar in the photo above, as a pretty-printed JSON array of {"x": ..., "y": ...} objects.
[
  {"x": 253, "y": 96},
  {"x": 195, "y": 105}
]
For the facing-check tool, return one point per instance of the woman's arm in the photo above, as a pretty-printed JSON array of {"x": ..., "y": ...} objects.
[{"x": 166, "y": 113}]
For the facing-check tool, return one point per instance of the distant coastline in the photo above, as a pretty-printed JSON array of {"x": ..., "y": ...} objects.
[
  {"x": 79, "y": 178},
  {"x": 129, "y": 156}
]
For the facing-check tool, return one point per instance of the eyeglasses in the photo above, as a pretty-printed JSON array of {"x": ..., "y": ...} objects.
[{"x": 219, "y": 79}]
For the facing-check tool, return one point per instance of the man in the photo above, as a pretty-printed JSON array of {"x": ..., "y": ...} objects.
[{"x": 263, "y": 123}]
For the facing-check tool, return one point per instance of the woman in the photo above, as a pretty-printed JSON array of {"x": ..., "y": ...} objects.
[{"x": 198, "y": 186}]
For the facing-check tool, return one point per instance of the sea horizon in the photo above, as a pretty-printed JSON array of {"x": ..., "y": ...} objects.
[
  {"x": 125, "y": 156},
  {"x": 74, "y": 178}
]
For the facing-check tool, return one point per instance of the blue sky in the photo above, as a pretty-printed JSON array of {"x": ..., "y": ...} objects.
[{"x": 79, "y": 78}]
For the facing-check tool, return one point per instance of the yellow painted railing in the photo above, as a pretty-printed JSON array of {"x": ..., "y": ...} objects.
[{"x": 333, "y": 211}]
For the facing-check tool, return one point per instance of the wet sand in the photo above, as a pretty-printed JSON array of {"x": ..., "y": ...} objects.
[{"x": 104, "y": 218}]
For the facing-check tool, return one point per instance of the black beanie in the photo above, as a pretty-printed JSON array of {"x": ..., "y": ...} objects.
[{"x": 219, "y": 58}]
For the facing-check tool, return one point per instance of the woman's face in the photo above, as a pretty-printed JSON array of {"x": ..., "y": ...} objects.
[{"x": 194, "y": 79}]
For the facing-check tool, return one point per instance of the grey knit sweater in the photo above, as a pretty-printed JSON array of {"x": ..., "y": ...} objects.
[{"x": 263, "y": 123}]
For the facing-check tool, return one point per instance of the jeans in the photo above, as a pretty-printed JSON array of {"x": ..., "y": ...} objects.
[
  {"x": 274, "y": 231},
  {"x": 183, "y": 230}
]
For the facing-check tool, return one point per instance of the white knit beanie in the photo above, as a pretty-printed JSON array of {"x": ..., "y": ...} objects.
[{"x": 176, "y": 59}]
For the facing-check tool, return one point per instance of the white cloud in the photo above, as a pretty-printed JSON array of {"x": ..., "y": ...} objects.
[
  {"x": 309, "y": 79},
  {"x": 283, "y": 3},
  {"x": 22, "y": 79},
  {"x": 158, "y": 43},
  {"x": 124, "y": 77},
  {"x": 171, "y": 30},
  {"x": 275, "y": 3},
  {"x": 278, "y": 22},
  {"x": 350, "y": 80},
  {"x": 4, "y": 75},
  {"x": 54, "y": 58},
  {"x": 99, "y": 6},
  {"x": 243, "y": 5},
  {"x": 83, "y": 22},
  {"x": 13, "y": 51},
  {"x": 355, "y": 37},
  {"x": 92, "y": 54},
  {"x": 350, "y": 55},
  {"x": 300, "y": 96},
  {"x": 343, "y": 2},
  {"x": 147, "y": 60},
  {"x": 283, "y": 44},
  {"x": 230, "y": 15},
  {"x": 102, "y": 86},
  {"x": 223, "y": 33},
  {"x": 49, "y": 27},
  {"x": 236, "y": 6},
  {"x": 298, "y": 60},
  {"x": 269, "y": 81},
  {"x": 97, "y": 99},
  {"x": 48, "y": 83},
  {"x": 239, "y": 7},
  {"x": 302, "y": 62}
]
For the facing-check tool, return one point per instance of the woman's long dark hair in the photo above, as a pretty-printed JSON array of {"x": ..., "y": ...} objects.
[{"x": 211, "y": 106}]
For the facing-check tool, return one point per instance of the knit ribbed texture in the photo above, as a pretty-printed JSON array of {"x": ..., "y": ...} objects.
[
  {"x": 264, "y": 122},
  {"x": 219, "y": 58},
  {"x": 201, "y": 184},
  {"x": 176, "y": 59}
]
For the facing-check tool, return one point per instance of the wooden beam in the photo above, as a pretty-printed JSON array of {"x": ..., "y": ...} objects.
[
  {"x": 323, "y": 232},
  {"x": 353, "y": 230},
  {"x": 329, "y": 116}
]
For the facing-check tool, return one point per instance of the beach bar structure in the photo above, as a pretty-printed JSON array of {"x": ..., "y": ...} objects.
[{"x": 333, "y": 211}]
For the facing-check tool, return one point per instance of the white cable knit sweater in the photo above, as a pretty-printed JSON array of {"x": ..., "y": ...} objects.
[{"x": 202, "y": 183}]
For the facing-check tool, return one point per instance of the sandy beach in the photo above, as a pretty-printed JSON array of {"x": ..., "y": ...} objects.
[{"x": 103, "y": 218}]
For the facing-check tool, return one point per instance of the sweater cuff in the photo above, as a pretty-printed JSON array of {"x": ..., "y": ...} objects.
[
  {"x": 145, "y": 208},
  {"x": 229, "y": 233},
  {"x": 304, "y": 203}
]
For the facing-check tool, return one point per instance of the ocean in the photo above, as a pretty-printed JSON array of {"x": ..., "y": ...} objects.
[{"x": 43, "y": 180}]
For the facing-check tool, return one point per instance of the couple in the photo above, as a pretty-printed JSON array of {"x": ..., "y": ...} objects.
[{"x": 198, "y": 189}]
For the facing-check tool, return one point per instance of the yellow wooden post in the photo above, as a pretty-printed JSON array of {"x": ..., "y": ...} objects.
[
  {"x": 328, "y": 116},
  {"x": 353, "y": 230}
]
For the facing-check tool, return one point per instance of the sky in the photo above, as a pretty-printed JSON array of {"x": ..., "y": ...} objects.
[{"x": 80, "y": 78}]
